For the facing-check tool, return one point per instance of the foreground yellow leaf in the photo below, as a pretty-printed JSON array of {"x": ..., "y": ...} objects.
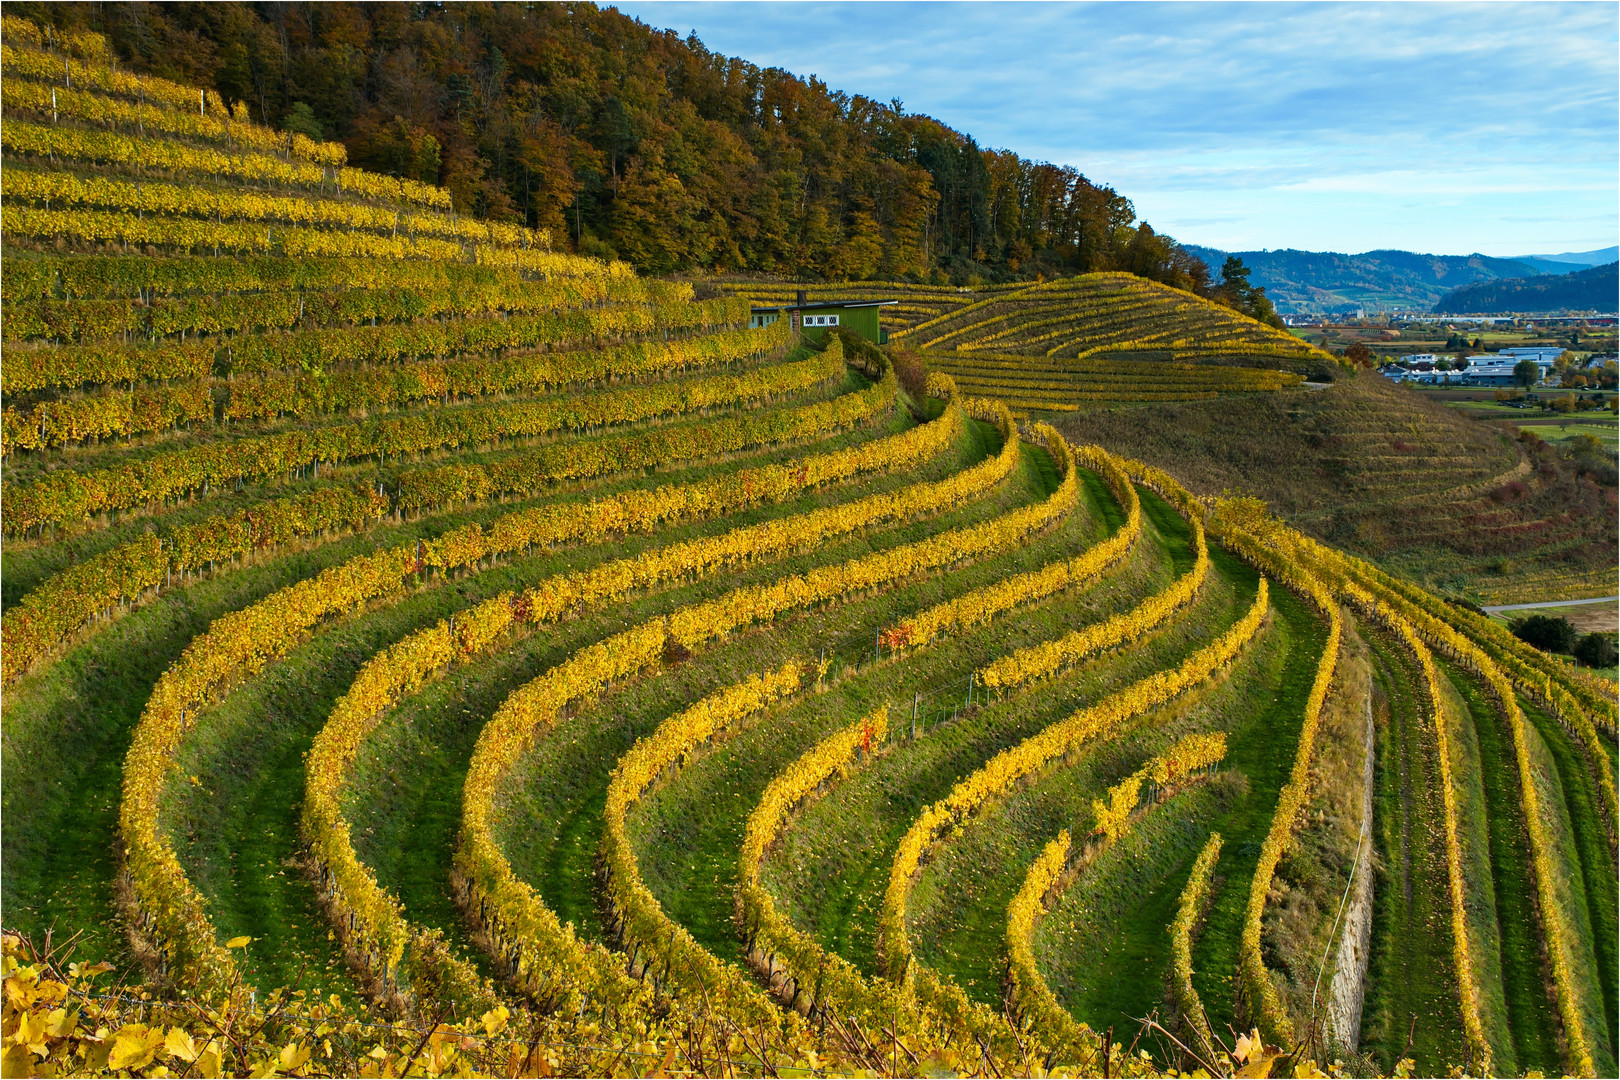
[{"x": 134, "y": 1046}]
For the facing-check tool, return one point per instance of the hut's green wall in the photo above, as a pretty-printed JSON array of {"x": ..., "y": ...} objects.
[{"x": 864, "y": 321}]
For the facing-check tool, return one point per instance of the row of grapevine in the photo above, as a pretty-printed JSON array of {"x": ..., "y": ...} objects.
[
  {"x": 60, "y": 102},
  {"x": 112, "y": 277},
  {"x": 364, "y": 391},
  {"x": 189, "y": 234},
  {"x": 239, "y": 644},
  {"x": 1028, "y": 316},
  {"x": 1255, "y": 988},
  {"x": 98, "y": 73},
  {"x": 224, "y": 204},
  {"x": 37, "y": 368},
  {"x": 108, "y": 415},
  {"x": 321, "y": 348},
  {"x": 797, "y": 969},
  {"x": 1019, "y": 374},
  {"x": 1010, "y": 765},
  {"x": 368, "y": 914},
  {"x": 1046, "y": 658},
  {"x": 1189, "y": 351},
  {"x": 1189, "y": 910},
  {"x": 281, "y": 309},
  {"x": 660, "y": 447},
  {"x": 1190, "y": 753},
  {"x": 169, "y": 908},
  {"x": 1025, "y": 407},
  {"x": 654, "y": 941},
  {"x": 1059, "y": 389},
  {"x": 1479, "y": 1050},
  {"x": 979, "y": 606},
  {"x": 52, "y": 142},
  {"x": 62, "y": 498},
  {"x": 510, "y": 910},
  {"x": 1029, "y": 999},
  {"x": 46, "y": 617},
  {"x": 1059, "y": 368},
  {"x": 1560, "y": 937},
  {"x": 1062, "y": 398},
  {"x": 81, "y": 43},
  {"x": 1580, "y": 699}
]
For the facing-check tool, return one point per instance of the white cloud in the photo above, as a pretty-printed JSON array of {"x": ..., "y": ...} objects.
[{"x": 1431, "y": 126}]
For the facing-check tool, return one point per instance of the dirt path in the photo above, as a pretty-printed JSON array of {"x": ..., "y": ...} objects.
[
  {"x": 1355, "y": 947},
  {"x": 1551, "y": 603}
]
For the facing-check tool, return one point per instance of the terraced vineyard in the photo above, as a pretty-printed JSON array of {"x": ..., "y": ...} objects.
[
  {"x": 1032, "y": 384},
  {"x": 500, "y": 663},
  {"x": 1075, "y": 343}
]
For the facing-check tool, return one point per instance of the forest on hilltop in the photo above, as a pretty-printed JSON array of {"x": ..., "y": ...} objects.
[
  {"x": 1593, "y": 289},
  {"x": 637, "y": 144}
]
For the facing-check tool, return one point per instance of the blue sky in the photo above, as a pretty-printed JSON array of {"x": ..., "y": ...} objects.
[{"x": 1448, "y": 128}]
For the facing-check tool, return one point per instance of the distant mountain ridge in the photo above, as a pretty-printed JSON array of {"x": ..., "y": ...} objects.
[
  {"x": 1596, "y": 257},
  {"x": 1300, "y": 281},
  {"x": 1596, "y": 288}
]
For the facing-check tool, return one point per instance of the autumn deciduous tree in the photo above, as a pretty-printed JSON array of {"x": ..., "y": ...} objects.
[{"x": 636, "y": 143}]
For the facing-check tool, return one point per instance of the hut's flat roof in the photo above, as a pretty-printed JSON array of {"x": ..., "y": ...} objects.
[{"x": 827, "y": 304}]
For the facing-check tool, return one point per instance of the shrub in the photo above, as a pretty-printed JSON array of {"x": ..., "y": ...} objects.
[
  {"x": 1595, "y": 650},
  {"x": 912, "y": 371},
  {"x": 1549, "y": 633},
  {"x": 1510, "y": 492}
]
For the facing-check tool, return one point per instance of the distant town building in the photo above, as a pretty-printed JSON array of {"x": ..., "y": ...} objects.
[
  {"x": 1486, "y": 369},
  {"x": 1537, "y": 353},
  {"x": 1496, "y": 369}
]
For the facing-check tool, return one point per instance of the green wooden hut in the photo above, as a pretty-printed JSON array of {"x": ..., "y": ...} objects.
[{"x": 815, "y": 319}]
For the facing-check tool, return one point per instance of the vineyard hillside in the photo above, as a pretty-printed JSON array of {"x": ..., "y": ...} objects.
[
  {"x": 1189, "y": 386},
  {"x": 428, "y": 651}
]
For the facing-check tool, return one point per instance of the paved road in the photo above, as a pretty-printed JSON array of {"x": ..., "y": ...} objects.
[{"x": 1552, "y": 603}]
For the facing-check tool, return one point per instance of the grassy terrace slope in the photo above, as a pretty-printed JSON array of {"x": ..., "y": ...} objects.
[
  {"x": 1214, "y": 398},
  {"x": 404, "y": 615},
  {"x": 1366, "y": 465}
]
